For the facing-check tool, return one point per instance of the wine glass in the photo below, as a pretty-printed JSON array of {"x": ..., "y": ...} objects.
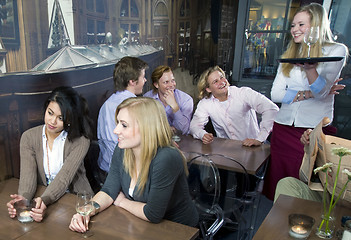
[
  {"x": 311, "y": 37},
  {"x": 84, "y": 207}
]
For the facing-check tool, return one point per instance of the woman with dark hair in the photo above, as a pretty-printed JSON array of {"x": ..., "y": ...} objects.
[{"x": 55, "y": 151}]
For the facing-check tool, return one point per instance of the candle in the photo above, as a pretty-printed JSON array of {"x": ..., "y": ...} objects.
[
  {"x": 25, "y": 217},
  {"x": 25, "y": 214},
  {"x": 298, "y": 231}
]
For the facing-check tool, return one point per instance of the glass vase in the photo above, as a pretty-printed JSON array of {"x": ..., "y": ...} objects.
[{"x": 326, "y": 226}]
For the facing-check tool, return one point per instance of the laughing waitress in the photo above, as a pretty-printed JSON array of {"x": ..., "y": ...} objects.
[{"x": 304, "y": 92}]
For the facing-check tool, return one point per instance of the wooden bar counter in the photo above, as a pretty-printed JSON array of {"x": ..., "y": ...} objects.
[{"x": 113, "y": 223}]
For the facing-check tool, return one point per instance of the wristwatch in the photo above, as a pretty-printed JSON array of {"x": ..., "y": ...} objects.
[{"x": 96, "y": 206}]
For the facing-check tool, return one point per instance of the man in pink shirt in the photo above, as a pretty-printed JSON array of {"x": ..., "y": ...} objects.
[{"x": 232, "y": 111}]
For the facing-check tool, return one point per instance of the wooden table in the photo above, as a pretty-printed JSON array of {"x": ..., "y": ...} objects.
[
  {"x": 275, "y": 225},
  {"x": 252, "y": 158},
  {"x": 113, "y": 223}
]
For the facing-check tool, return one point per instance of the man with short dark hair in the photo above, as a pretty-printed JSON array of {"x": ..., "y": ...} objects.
[{"x": 129, "y": 79}]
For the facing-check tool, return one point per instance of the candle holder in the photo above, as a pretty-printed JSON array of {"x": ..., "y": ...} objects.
[
  {"x": 300, "y": 226},
  {"x": 23, "y": 208}
]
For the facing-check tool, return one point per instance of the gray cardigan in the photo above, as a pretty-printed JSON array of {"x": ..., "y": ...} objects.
[{"x": 71, "y": 177}]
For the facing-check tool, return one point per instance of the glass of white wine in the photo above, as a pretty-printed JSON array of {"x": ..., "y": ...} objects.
[
  {"x": 311, "y": 37},
  {"x": 84, "y": 207}
]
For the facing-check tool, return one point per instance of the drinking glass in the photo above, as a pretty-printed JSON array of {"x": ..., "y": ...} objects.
[
  {"x": 23, "y": 208},
  {"x": 176, "y": 135},
  {"x": 84, "y": 207},
  {"x": 311, "y": 37}
]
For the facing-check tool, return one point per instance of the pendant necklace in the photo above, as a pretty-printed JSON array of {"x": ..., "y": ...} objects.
[{"x": 50, "y": 179}]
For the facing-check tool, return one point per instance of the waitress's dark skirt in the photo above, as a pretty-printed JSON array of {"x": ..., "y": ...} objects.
[{"x": 286, "y": 155}]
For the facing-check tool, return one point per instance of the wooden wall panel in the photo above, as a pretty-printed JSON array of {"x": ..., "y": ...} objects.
[
  {"x": 22, "y": 97},
  {"x": 6, "y": 166}
]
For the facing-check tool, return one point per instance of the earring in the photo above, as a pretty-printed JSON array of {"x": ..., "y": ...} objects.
[{"x": 68, "y": 125}]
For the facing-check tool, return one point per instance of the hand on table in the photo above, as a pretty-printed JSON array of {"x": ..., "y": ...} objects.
[
  {"x": 248, "y": 142},
  {"x": 10, "y": 207},
  {"x": 77, "y": 223},
  {"x": 207, "y": 138}
]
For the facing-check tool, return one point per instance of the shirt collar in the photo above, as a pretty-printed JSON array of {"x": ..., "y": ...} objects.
[
  {"x": 127, "y": 92},
  {"x": 61, "y": 137},
  {"x": 215, "y": 99}
]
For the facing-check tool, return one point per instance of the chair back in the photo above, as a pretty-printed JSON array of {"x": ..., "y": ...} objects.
[
  {"x": 92, "y": 167},
  {"x": 205, "y": 186},
  {"x": 235, "y": 198}
]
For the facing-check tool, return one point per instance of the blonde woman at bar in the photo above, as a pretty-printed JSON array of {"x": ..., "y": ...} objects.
[{"x": 148, "y": 177}]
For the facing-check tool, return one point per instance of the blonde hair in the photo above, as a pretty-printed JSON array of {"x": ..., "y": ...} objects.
[
  {"x": 155, "y": 132},
  {"x": 318, "y": 17},
  {"x": 203, "y": 83}
]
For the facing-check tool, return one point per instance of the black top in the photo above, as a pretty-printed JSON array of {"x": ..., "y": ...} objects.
[{"x": 166, "y": 192}]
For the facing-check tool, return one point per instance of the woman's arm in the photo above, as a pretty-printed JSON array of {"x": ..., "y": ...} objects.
[
  {"x": 134, "y": 207},
  {"x": 328, "y": 72},
  {"x": 282, "y": 90},
  {"x": 311, "y": 71},
  {"x": 29, "y": 144},
  {"x": 77, "y": 221},
  {"x": 304, "y": 95},
  {"x": 31, "y": 153},
  {"x": 320, "y": 84},
  {"x": 74, "y": 159},
  {"x": 279, "y": 87},
  {"x": 103, "y": 200}
]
